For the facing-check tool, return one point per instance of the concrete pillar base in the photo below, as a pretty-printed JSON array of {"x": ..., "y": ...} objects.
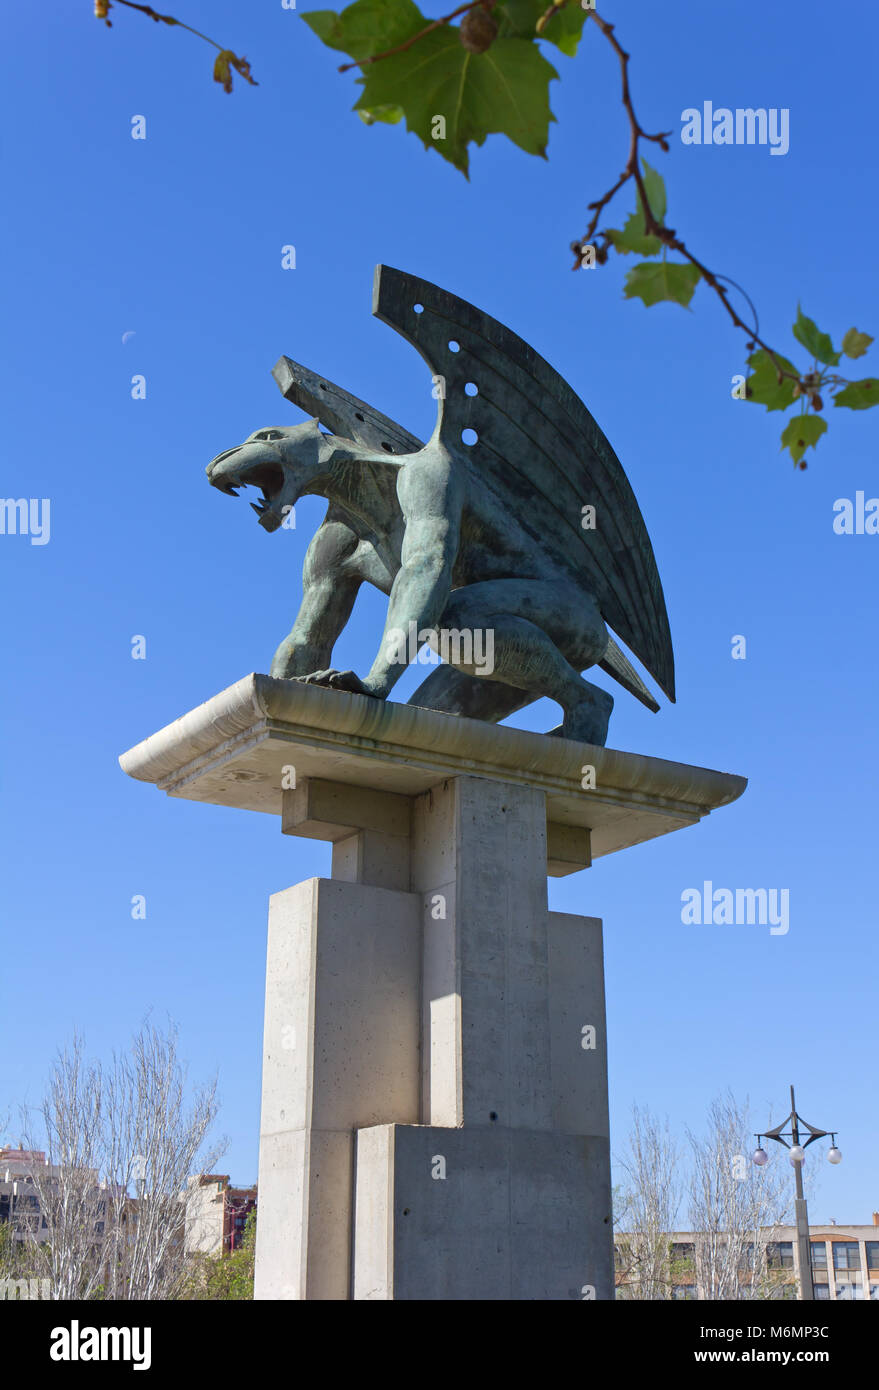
[
  {"x": 478, "y": 1214},
  {"x": 434, "y": 1117}
]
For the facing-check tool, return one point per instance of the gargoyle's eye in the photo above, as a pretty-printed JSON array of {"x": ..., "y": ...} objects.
[{"x": 266, "y": 436}]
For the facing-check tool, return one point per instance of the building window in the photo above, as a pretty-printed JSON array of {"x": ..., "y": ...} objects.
[
  {"x": 683, "y": 1291},
  {"x": 846, "y": 1254},
  {"x": 683, "y": 1253},
  {"x": 821, "y": 1293},
  {"x": 872, "y": 1254},
  {"x": 819, "y": 1254},
  {"x": 848, "y": 1291},
  {"x": 780, "y": 1254}
]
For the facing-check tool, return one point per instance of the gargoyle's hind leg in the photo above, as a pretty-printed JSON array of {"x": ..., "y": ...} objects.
[
  {"x": 525, "y": 652},
  {"x": 538, "y": 631},
  {"x": 453, "y": 692}
]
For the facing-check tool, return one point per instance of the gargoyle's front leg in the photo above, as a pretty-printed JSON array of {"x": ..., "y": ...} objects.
[
  {"x": 324, "y": 611},
  {"x": 419, "y": 596},
  {"x": 431, "y": 508},
  {"x": 418, "y": 599},
  {"x": 431, "y": 504},
  {"x": 329, "y": 588}
]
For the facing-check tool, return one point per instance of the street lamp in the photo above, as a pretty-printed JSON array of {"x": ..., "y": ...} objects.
[{"x": 797, "y": 1158}]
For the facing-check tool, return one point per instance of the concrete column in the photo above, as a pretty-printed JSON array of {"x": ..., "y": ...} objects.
[
  {"x": 578, "y": 1025},
  {"x": 341, "y": 1051},
  {"x": 479, "y": 862},
  {"x": 504, "y": 1191},
  {"x": 428, "y": 982}
]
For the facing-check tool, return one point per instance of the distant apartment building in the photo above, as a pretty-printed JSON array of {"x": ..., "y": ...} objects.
[
  {"x": 23, "y": 1172},
  {"x": 844, "y": 1259},
  {"x": 216, "y": 1214},
  {"x": 19, "y": 1203}
]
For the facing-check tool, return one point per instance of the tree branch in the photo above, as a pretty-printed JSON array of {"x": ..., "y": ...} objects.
[
  {"x": 652, "y": 227},
  {"x": 401, "y": 47},
  {"x": 226, "y": 59}
]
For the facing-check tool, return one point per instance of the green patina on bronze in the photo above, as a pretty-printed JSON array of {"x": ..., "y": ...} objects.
[{"x": 530, "y": 532}]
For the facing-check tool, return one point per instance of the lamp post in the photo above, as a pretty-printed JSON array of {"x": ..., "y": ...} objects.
[{"x": 797, "y": 1157}]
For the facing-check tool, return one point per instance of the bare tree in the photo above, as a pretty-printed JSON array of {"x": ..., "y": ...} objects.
[
  {"x": 65, "y": 1196},
  {"x": 735, "y": 1207},
  {"x": 121, "y": 1143},
  {"x": 650, "y": 1201}
]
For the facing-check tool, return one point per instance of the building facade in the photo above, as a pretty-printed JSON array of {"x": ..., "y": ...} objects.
[
  {"x": 216, "y": 1214},
  {"x": 844, "y": 1259},
  {"x": 19, "y": 1202}
]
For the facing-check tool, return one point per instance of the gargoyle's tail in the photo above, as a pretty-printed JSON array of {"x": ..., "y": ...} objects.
[{"x": 622, "y": 670}]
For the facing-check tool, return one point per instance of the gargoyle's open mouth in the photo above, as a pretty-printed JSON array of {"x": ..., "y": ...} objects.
[{"x": 268, "y": 477}]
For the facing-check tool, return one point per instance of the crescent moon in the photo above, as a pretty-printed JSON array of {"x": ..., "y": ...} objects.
[{"x": 129, "y": 333}]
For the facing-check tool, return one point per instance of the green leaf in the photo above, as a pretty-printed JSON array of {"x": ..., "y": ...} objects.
[
  {"x": 855, "y": 344},
  {"x": 807, "y": 332},
  {"x": 802, "y": 433},
  {"x": 391, "y": 115},
  {"x": 367, "y": 27},
  {"x": 634, "y": 237},
  {"x": 518, "y": 19},
  {"x": 673, "y": 280},
  {"x": 654, "y": 187},
  {"x": 763, "y": 385},
  {"x": 859, "y": 395},
  {"x": 504, "y": 90}
]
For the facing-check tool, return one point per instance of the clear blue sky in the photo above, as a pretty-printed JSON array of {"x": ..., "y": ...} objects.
[{"x": 177, "y": 239}]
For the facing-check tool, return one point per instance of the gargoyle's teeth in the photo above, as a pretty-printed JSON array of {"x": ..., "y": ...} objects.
[
  {"x": 260, "y": 507},
  {"x": 231, "y": 491}
]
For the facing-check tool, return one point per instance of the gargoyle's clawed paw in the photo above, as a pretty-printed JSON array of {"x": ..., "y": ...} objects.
[{"x": 336, "y": 680}]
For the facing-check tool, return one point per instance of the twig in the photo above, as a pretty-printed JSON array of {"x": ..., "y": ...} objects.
[
  {"x": 168, "y": 19},
  {"x": 652, "y": 227},
  {"x": 401, "y": 47},
  {"x": 549, "y": 14},
  {"x": 221, "y": 65}
]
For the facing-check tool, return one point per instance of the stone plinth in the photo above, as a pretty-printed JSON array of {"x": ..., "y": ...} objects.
[{"x": 434, "y": 1116}]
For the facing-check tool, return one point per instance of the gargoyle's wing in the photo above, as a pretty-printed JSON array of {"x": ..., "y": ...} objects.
[
  {"x": 545, "y": 458},
  {"x": 340, "y": 412}
]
